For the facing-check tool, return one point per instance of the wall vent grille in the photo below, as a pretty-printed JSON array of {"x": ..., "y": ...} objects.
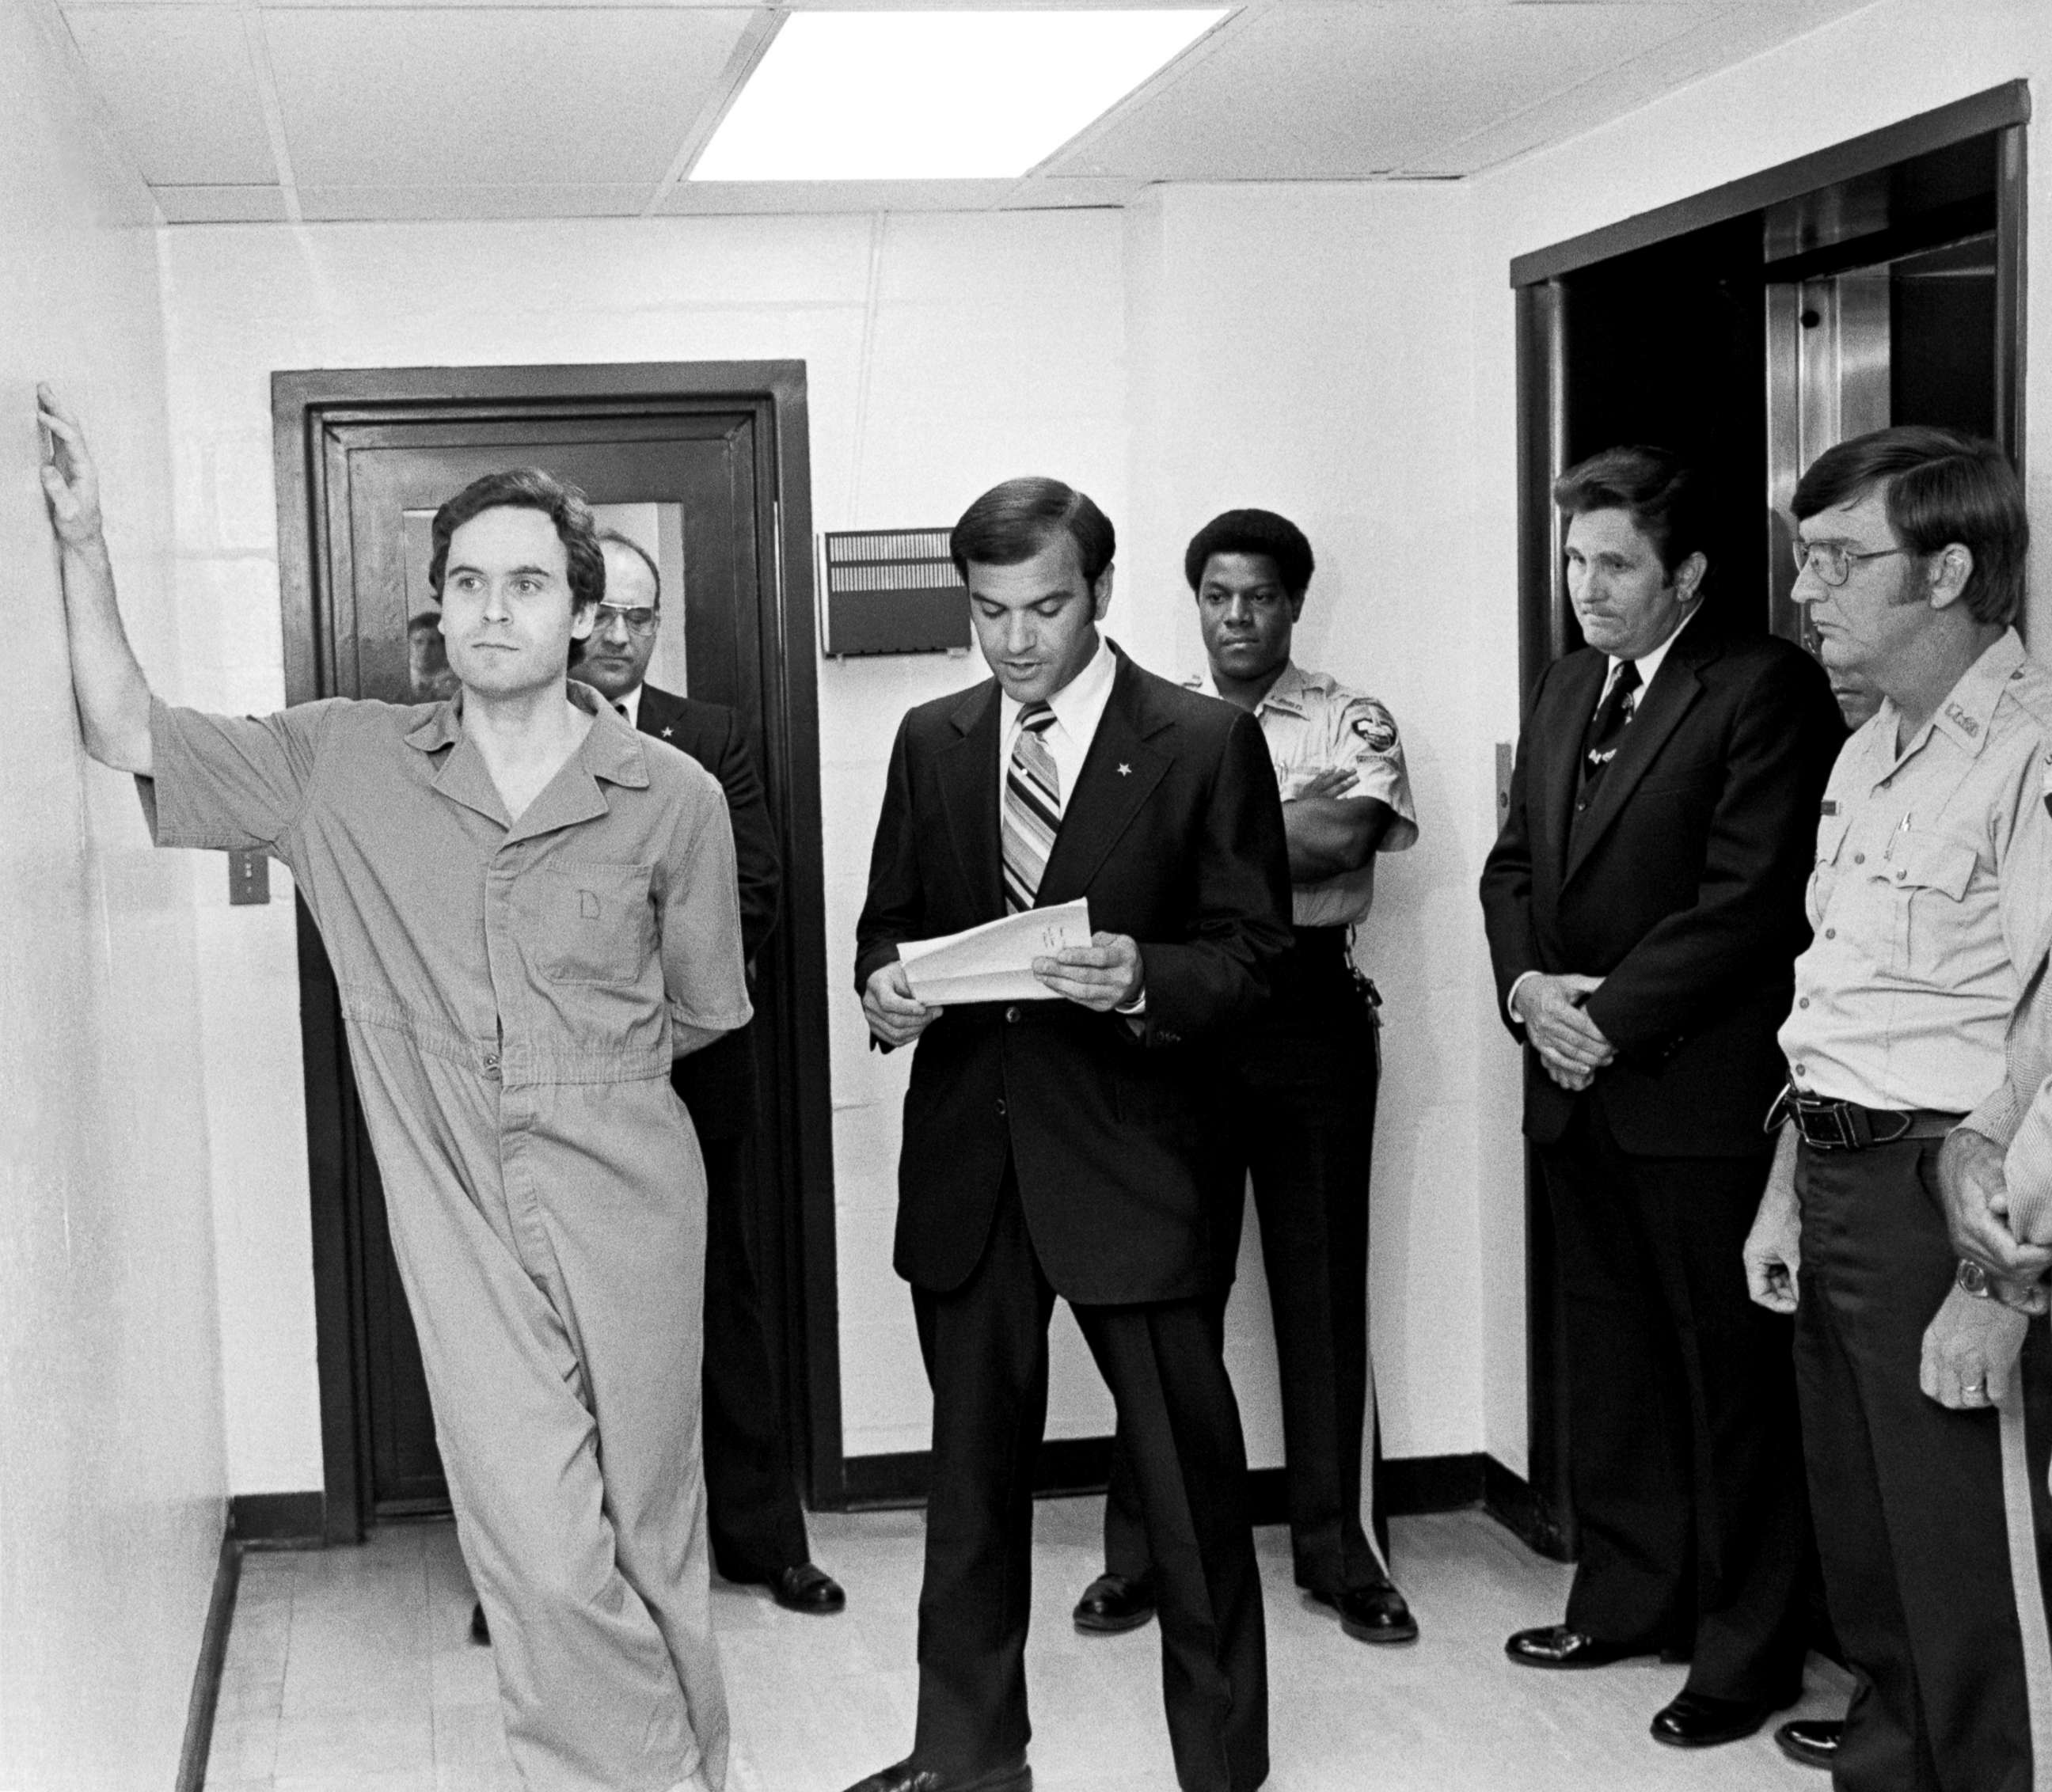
[{"x": 891, "y": 591}]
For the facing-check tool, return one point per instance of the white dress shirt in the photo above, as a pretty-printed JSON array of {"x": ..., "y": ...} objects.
[{"x": 1078, "y": 706}]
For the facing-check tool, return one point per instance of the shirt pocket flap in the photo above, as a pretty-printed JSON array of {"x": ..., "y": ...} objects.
[
  {"x": 1931, "y": 862},
  {"x": 1830, "y": 836}
]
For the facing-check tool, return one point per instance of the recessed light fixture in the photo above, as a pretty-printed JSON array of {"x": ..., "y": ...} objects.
[{"x": 936, "y": 96}]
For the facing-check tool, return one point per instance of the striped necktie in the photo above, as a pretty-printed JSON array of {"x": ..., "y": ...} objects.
[{"x": 1032, "y": 808}]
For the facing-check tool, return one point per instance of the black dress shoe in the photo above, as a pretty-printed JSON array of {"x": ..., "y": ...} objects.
[
  {"x": 1556, "y": 1645},
  {"x": 1814, "y": 1741},
  {"x": 809, "y": 1589},
  {"x": 1115, "y": 1602},
  {"x": 904, "y": 1776},
  {"x": 1696, "y": 1720},
  {"x": 1372, "y": 1615},
  {"x": 480, "y": 1632}
]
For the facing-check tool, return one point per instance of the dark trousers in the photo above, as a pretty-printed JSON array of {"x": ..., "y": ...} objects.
[
  {"x": 1686, "y": 1459},
  {"x": 1933, "y": 1523},
  {"x": 1298, "y": 1111},
  {"x": 757, "y": 1525},
  {"x": 985, "y": 1344}
]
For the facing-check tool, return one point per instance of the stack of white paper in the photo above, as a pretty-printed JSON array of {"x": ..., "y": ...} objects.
[{"x": 993, "y": 963}]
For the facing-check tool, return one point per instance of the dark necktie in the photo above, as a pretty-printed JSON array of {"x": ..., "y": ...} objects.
[
  {"x": 1032, "y": 808},
  {"x": 1607, "y": 727},
  {"x": 620, "y": 710}
]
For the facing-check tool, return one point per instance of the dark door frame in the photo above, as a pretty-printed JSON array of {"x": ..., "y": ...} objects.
[
  {"x": 1540, "y": 281},
  {"x": 307, "y": 408}
]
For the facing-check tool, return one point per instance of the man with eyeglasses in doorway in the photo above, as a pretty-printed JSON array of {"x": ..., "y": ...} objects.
[
  {"x": 758, "y": 1526},
  {"x": 1927, "y": 1412}
]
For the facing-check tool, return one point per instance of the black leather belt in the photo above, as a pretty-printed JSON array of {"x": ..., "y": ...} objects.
[{"x": 1825, "y": 1125}]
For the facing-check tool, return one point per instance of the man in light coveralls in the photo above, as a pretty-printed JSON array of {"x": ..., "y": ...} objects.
[{"x": 530, "y": 909}]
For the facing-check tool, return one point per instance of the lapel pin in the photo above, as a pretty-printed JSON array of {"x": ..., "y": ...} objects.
[
  {"x": 1124, "y": 771},
  {"x": 667, "y": 733}
]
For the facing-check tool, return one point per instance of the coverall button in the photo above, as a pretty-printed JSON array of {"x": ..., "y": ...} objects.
[
  {"x": 1859, "y": 859},
  {"x": 1802, "y": 1001}
]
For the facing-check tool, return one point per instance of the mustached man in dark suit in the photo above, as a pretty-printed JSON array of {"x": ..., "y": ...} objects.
[
  {"x": 1058, "y": 1146},
  {"x": 758, "y": 1527},
  {"x": 1644, "y": 905}
]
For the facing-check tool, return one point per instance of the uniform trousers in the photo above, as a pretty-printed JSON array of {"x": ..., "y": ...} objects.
[
  {"x": 985, "y": 1345},
  {"x": 1933, "y": 1522},
  {"x": 1297, "y": 1110},
  {"x": 758, "y": 1526},
  {"x": 1686, "y": 1459}
]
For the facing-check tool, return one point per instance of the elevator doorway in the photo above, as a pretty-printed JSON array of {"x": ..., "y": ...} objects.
[{"x": 1750, "y": 328}]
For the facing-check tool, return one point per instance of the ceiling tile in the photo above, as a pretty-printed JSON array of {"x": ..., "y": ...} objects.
[
  {"x": 1736, "y": 34},
  {"x": 492, "y": 96},
  {"x": 1341, "y": 91},
  {"x": 178, "y": 82},
  {"x": 743, "y": 197},
  {"x": 330, "y": 205},
  {"x": 220, "y": 205}
]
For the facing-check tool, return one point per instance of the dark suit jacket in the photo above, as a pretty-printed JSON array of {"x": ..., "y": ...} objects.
[
  {"x": 1174, "y": 833},
  {"x": 1682, "y": 885},
  {"x": 719, "y": 1082}
]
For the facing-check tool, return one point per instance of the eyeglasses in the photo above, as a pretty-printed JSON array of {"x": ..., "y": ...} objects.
[
  {"x": 1832, "y": 562},
  {"x": 639, "y": 621}
]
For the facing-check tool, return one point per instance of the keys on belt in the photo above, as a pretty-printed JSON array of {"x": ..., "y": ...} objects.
[{"x": 1828, "y": 1125}]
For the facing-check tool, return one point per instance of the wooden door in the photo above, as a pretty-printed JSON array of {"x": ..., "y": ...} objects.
[{"x": 710, "y": 472}]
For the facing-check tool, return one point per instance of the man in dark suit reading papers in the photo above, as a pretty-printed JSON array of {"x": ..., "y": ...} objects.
[{"x": 1057, "y": 1147}]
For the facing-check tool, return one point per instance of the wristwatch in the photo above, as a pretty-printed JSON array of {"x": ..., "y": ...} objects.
[{"x": 1970, "y": 1278}]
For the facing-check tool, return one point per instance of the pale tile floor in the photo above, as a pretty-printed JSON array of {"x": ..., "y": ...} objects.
[{"x": 349, "y": 1671}]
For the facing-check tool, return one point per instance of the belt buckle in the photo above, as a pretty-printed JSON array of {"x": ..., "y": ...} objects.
[{"x": 1824, "y": 1125}]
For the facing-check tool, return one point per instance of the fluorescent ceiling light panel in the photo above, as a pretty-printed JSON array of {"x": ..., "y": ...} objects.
[{"x": 936, "y": 96}]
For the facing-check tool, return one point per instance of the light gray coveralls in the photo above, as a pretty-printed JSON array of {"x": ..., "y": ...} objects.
[{"x": 509, "y": 988}]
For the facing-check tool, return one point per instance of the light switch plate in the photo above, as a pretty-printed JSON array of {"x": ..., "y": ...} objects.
[{"x": 248, "y": 878}]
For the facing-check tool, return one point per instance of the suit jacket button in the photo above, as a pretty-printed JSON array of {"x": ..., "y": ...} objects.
[
  {"x": 1000, "y": 1107},
  {"x": 1581, "y": 807},
  {"x": 1012, "y": 1013}
]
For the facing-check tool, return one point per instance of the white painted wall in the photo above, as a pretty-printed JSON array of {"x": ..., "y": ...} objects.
[
  {"x": 1874, "y": 68},
  {"x": 111, "y": 1486}
]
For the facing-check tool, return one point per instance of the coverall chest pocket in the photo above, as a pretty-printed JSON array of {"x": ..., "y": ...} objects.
[
  {"x": 592, "y": 922},
  {"x": 1930, "y": 874}
]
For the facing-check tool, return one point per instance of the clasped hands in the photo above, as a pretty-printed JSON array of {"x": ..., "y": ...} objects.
[
  {"x": 1571, "y": 1046},
  {"x": 1106, "y": 974}
]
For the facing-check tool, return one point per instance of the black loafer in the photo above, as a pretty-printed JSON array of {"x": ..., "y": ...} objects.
[
  {"x": 809, "y": 1589},
  {"x": 1372, "y": 1615},
  {"x": 1115, "y": 1602},
  {"x": 480, "y": 1632},
  {"x": 1017, "y": 1777},
  {"x": 1556, "y": 1645},
  {"x": 1813, "y": 1741},
  {"x": 1696, "y": 1720}
]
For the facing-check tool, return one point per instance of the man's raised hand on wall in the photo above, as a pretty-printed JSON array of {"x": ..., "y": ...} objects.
[
  {"x": 112, "y": 695},
  {"x": 71, "y": 482}
]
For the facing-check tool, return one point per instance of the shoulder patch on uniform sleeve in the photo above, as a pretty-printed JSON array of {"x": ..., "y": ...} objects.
[{"x": 1375, "y": 726}]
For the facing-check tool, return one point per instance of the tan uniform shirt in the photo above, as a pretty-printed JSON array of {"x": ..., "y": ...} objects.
[
  {"x": 1931, "y": 897},
  {"x": 1313, "y": 723}
]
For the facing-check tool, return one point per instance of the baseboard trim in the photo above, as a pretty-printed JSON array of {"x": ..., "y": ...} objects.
[
  {"x": 206, "y": 1675},
  {"x": 1070, "y": 1465},
  {"x": 277, "y": 1521}
]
